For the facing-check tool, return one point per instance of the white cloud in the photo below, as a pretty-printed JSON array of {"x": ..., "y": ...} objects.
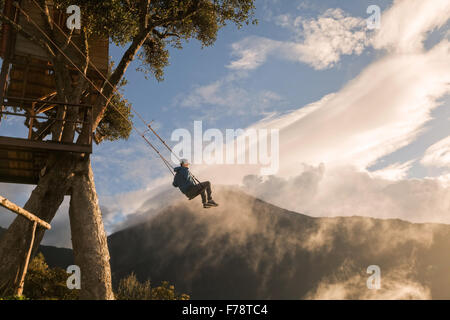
[
  {"x": 120, "y": 205},
  {"x": 346, "y": 191},
  {"x": 405, "y": 25},
  {"x": 395, "y": 171},
  {"x": 252, "y": 52},
  {"x": 229, "y": 98},
  {"x": 396, "y": 285},
  {"x": 319, "y": 42},
  {"x": 382, "y": 110},
  {"x": 438, "y": 155}
]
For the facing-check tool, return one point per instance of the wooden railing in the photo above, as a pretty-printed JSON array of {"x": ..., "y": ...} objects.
[{"x": 34, "y": 109}]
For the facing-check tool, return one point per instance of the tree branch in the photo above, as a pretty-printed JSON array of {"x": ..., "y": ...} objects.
[
  {"x": 110, "y": 85},
  {"x": 165, "y": 34},
  {"x": 166, "y": 21},
  {"x": 145, "y": 14}
]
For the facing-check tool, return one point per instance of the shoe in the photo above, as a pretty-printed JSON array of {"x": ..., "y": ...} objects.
[
  {"x": 206, "y": 206},
  {"x": 212, "y": 203}
]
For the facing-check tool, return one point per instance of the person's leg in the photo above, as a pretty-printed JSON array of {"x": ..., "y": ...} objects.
[
  {"x": 203, "y": 189},
  {"x": 196, "y": 190},
  {"x": 203, "y": 196},
  {"x": 207, "y": 186},
  {"x": 208, "y": 190}
]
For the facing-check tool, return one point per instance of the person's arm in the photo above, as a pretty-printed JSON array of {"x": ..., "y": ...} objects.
[{"x": 190, "y": 177}]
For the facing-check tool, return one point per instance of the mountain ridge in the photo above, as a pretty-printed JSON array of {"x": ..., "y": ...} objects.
[{"x": 250, "y": 249}]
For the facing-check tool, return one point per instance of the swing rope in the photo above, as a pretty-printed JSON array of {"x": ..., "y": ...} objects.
[{"x": 165, "y": 161}]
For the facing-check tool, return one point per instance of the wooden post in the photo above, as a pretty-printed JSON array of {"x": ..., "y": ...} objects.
[
  {"x": 31, "y": 123},
  {"x": 24, "y": 92},
  {"x": 19, "y": 289},
  {"x": 5, "y": 53},
  {"x": 3, "y": 75}
]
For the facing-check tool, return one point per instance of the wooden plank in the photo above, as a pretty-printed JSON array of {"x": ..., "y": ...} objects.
[
  {"x": 15, "y": 159},
  {"x": 30, "y": 116},
  {"x": 20, "y": 211},
  {"x": 47, "y": 101},
  {"x": 16, "y": 166},
  {"x": 23, "y": 45},
  {"x": 17, "y": 155},
  {"x": 13, "y": 143},
  {"x": 20, "y": 180}
]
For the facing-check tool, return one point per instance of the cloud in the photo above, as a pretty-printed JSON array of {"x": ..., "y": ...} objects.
[
  {"x": 438, "y": 155},
  {"x": 229, "y": 98},
  {"x": 395, "y": 171},
  {"x": 346, "y": 191},
  {"x": 395, "y": 285},
  {"x": 320, "y": 42},
  {"x": 291, "y": 254},
  {"x": 131, "y": 208},
  {"x": 252, "y": 52},
  {"x": 405, "y": 25},
  {"x": 383, "y": 109}
]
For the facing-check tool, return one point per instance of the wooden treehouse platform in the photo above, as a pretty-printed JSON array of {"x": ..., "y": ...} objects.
[
  {"x": 28, "y": 90},
  {"x": 22, "y": 159}
]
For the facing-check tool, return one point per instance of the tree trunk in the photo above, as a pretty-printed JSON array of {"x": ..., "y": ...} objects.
[
  {"x": 65, "y": 173},
  {"x": 89, "y": 240}
]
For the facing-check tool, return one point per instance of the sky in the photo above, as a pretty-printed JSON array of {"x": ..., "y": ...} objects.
[{"x": 363, "y": 115}]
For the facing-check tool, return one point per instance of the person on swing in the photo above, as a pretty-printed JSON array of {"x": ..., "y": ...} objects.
[{"x": 185, "y": 182}]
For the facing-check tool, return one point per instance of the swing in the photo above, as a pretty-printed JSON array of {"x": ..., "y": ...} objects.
[{"x": 99, "y": 90}]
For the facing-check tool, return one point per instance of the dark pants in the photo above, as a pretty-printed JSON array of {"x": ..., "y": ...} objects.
[{"x": 203, "y": 188}]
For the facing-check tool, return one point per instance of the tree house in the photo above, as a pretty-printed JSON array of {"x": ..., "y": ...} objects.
[{"x": 28, "y": 90}]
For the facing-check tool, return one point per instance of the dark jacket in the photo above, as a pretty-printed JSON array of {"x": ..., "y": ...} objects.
[{"x": 183, "y": 179}]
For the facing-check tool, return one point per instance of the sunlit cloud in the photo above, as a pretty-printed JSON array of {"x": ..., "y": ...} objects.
[
  {"x": 406, "y": 24},
  {"x": 319, "y": 42},
  {"x": 438, "y": 155},
  {"x": 395, "y": 171}
]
